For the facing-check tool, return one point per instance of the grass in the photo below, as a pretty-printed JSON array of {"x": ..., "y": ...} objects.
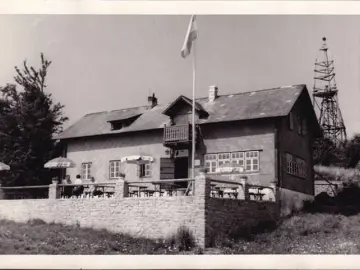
[
  {"x": 300, "y": 234},
  {"x": 37, "y": 237}
]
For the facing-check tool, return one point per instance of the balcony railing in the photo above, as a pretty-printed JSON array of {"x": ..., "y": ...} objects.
[{"x": 177, "y": 134}]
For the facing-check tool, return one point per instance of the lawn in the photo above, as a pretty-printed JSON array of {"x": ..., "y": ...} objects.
[
  {"x": 300, "y": 234},
  {"x": 37, "y": 237}
]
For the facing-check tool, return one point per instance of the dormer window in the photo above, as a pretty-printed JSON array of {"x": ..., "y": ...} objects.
[
  {"x": 123, "y": 119},
  {"x": 116, "y": 125}
]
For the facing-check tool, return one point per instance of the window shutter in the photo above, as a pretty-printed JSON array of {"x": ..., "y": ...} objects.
[
  {"x": 138, "y": 171},
  {"x": 167, "y": 168},
  {"x": 291, "y": 121}
]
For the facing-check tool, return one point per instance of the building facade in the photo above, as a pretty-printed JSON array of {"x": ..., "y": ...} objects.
[{"x": 267, "y": 133}]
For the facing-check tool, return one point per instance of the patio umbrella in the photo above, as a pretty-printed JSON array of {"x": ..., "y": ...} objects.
[
  {"x": 60, "y": 163},
  {"x": 4, "y": 167},
  {"x": 138, "y": 159}
]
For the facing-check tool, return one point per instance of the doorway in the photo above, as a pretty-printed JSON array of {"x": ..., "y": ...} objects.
[{"x": 182, "y": 169}]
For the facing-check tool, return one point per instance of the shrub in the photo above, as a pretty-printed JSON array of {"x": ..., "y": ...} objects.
[
  {"x": 36, "y": 221},
  {"x": 182, "y": 240}
]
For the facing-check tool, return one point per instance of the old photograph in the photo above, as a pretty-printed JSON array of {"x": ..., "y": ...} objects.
[{"x": 179, "y": 134}]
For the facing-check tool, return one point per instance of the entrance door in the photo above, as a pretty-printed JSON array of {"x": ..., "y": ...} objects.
[{"x": 182, "y": 169}]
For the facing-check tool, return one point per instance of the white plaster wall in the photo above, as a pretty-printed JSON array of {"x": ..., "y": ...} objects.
[{"x": 100, "y": 151}]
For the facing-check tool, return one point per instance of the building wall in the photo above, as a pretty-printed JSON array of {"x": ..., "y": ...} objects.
[
  {"x": 232, "y": 137},
  {"x": 244, "y": 136},
  {"x": 299, "y": 145},
  {"x": 101, "y": 150}
]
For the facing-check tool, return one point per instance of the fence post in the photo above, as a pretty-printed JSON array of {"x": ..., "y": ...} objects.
[
  {"x": 121, "y": 188},
  {"x": 202, "y": 185},
  {"x": 245, "y": 187},
  {"x": 54, "y": 190}
]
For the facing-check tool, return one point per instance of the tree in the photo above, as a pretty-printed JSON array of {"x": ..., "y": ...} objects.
[
  {"x": 28, "y": 121},
  {"x": 326, "y": 152},
  {"x": 353, "y": 151}
]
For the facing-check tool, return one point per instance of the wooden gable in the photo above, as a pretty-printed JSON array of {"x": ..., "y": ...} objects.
[{"x": 183, "y": 105}]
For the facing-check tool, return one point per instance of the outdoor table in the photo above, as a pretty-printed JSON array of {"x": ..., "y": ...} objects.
[
  {"x": 170, "y": 187},
  {"x": 139, "y": 188},
  {"x": 231, "y": 193},
  {"x": 257, "y": 195},
  {"x": 158, "y": 186},
  {"x": 149, "y": 192},
  {"x": 180, "y": 191},
  {"x": 217, "y": 191}
]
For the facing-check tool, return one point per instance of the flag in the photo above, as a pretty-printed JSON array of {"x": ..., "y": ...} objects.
[{"x": 191, "y": 35}]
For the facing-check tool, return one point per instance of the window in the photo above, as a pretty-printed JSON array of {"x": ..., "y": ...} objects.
[
  {"x": 295, "y": 166},
  {"x": 252, "y": 161},
  {"x": 249, "y": 160},
  {"x": 238, "y": 158},
  {"x": 86, "y": 171},
  {"x": 115, "y": 169},
  {"x": 144, "y": 170},
  {"x": 211, "y": 162},
  {"x": 223, "y": 158}
]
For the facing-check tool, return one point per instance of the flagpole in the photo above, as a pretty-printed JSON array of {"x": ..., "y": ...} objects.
[{"x": 193, "y": 111}]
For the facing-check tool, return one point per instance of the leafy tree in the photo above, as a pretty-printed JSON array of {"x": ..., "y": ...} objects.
[
  {"x": 326, "y": 152},
  {"x": 28, "y": 120},
  {"x": 353, "y": 151}
]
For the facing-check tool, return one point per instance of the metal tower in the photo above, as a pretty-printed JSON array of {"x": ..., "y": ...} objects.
[{"x": 325, "y": 97}]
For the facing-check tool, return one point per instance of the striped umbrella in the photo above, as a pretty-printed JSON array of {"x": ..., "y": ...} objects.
[
  {"x": 137, "y": 159},
  {"x": 4, "y": 167},
  {"x": 60, "y": 163},
  {"x": 229, "y": 167}
]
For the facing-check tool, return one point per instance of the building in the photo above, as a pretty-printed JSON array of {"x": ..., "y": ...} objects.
[{"x": 268, "y": 133}]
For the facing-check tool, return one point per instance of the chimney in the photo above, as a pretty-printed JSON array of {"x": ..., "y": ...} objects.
[
  {"x": 152, "y": 101},
  {"x": 213, "y": 92}
]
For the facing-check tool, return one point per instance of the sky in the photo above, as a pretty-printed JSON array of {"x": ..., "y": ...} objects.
[{"x": 109, "y": 62}]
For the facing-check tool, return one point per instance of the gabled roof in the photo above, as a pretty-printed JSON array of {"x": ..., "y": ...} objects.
[
  {"x": 267, "y": 103},
  {"x": 173, "y": 107}
]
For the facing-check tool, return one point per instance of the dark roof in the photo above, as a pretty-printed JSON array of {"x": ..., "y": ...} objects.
[{"x": 231, "y": 107}]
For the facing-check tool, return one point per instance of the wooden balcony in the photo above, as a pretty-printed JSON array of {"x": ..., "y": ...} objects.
[{"x": 177, "y": 136}]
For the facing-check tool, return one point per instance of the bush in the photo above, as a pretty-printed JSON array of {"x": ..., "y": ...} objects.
[
  {"x": 36, "y": 221},
  {"x": 182, "y": 240}
]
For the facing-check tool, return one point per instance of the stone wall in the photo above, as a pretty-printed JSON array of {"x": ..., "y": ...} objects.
[
  {"x": 231, "y": 217},
  {"x": 151, "y": 217},
  {"x": 148, "y": 217}
]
